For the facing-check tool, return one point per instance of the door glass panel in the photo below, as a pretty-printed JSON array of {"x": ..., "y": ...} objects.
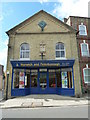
[
  {"x": 58, "y": 77},
  {"x": 27, "y": 78},
  {"x": 34, "y": 76},
  {"x": 52, "y": 82},
  {"x": 43, "y": 80}
]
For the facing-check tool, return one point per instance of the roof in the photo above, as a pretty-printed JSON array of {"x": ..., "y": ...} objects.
[
  {"x": 79, "y": 17},
  {"x": 41, "y": 11}
]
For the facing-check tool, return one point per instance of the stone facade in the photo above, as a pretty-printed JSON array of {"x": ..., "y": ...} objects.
[{"x": 54, "y": 32}]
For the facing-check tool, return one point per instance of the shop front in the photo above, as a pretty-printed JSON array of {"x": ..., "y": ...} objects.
[{"x": 42, "y": 77}]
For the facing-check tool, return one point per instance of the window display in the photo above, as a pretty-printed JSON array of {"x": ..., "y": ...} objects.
[
  {"x": 52, "y": 82},
  {"x": 21, "y": 79},
  {"x": 64, "y": 80},
  {"x": 34, "y": 76},
  {"x": 58, "y": 78},
  {"x": 43, "y": 80},
  {"x": 27, "y": 78},
  {"x": 18, "y": 78},
  {"x": 66, "y": 76}
]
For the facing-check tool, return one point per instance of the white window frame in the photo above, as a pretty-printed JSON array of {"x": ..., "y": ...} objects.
[
  {"x": 22, "y": 52},
  {"x": 85, "y": 75},
  {"x": 82, "y": 49},
  {"x": 57, "y": 58},
  {"x": 80, "y": 33}
]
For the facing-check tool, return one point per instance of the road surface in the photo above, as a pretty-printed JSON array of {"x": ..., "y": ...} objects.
[{"x": 54, "y": 112}]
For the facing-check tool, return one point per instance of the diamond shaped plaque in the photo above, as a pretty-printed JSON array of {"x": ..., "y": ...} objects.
[{"x": 42, "y": 24}]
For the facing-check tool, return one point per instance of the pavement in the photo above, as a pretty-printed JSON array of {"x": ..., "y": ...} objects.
[{"x": 32, "y": 101}]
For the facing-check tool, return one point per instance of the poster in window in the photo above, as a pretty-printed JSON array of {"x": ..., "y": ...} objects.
[
  {"x": 25, "y": 80},
  {"x": 64, "y": 79},
  {"x": 21, "y": 80}
]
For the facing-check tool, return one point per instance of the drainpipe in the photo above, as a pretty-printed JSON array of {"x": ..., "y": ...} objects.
[{"x": 7, "y": 86}]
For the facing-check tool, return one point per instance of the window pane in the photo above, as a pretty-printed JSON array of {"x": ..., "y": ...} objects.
[
  {"x": 62, "y": 54},
  {"x": 27, "y": 79},
  {"x": 21, "y": 79},
  {"x": 85, "y": 53},
  {"x": 58, "y": 77},
  {"x": 57, "y": 46},
  {"x": 26, "y": 46},
  {"x": 52, "y": 82},
  {"x": 84, "y": 47},
  {"x": 43, "y": 80},
  {"x": 57, "y": 53},
  {"x": 22, "y": 47},
  {"x": 34, "y": 76},
  {"x": 82, "y": 30},
  {"x": 18, "y": 78},
  {"x": 24, "y": 53},
  {"x": 62, "y": 46},
  {"x": 86, "y": 75},
  {"x": 86, "y": 72},
  {"x": 64, "y": 80}
]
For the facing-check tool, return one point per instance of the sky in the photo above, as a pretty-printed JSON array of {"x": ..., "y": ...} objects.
[{"x": 13, "y": 12}]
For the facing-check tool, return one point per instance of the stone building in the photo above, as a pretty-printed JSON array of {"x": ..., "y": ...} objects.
[
  {"x": 81, "y": 24},
  {"x": 43, "y": 57}
]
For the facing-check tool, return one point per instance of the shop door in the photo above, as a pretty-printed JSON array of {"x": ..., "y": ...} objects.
[{"x": 43, "y": 82}]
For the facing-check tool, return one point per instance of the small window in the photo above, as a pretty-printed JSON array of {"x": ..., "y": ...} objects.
[
  {"x": 24, "y": 51},
  {"x": 60, "y": 50},
  {"x": 84, "y": 49},
  {"x": 86, "y": 72},
  {"x": 82, "y": 29}
]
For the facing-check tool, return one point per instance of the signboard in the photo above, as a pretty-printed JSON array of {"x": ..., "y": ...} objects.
[{"x": 42, "y": 63}]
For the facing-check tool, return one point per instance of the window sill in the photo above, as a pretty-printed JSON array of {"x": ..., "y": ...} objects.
[
  {"x": 24, "y": 59},
  {"x": 60, "y": 58},
  {"x": 86, "y": 56}
]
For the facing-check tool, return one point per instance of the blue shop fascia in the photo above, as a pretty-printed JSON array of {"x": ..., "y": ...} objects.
[{"x": 42, "y": 77}]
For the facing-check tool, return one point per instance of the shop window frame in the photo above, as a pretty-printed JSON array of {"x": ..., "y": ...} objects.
[{"x": 19, "y": 70}]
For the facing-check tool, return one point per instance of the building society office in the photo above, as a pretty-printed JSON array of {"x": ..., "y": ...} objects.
[
  {"x": 41, "y": 58},
  {"x": 43, "y": 77}
]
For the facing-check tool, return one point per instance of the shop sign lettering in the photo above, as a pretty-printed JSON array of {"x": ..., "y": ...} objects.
[{"x": 42, "y": 64}]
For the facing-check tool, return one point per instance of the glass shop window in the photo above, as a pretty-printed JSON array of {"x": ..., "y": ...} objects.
[
  {"x": 18, "y": 81},
  {"x": 66, "y": 76},
  {"x": 52, "y": 82},
  {"x": 27, "y": 78},
  {"x": 58, "y": 77},
  {"x": 34, "y": 77}
]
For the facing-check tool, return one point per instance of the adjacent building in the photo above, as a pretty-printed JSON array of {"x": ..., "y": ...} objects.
[
  {"x": 1, "y": 76},
  {"x": 43, "y": 57},
  {"x": 81, "y": 24}
]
